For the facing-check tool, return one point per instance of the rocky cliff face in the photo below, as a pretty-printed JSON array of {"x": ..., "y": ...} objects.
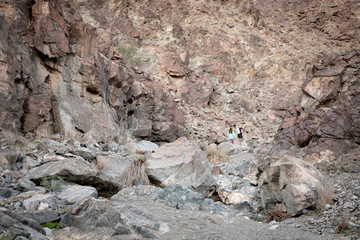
[
  {"x": 55, "y": 80},
  {"x": 162, "y": 69}
]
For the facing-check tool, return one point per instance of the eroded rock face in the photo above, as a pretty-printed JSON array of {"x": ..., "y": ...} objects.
[
  {"x": 295, "y": 185},
  {"x": 156, "y": 116},
  {"x": 55, "y": 80},
  {"x": 327, "y": 114}
]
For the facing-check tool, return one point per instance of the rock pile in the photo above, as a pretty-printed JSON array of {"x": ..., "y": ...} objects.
[{"x": 69, "y": 184}]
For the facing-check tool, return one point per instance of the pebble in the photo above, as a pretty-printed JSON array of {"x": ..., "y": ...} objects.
[{"x": 273, "y": 227}]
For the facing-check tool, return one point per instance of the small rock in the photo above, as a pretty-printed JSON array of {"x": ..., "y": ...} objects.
[{"x": 273, "y": 227}]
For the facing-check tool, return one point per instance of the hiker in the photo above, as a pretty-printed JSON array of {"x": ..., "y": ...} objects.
[
  {"x": 231, "y": 135},
  {"x": 239, "y": 134}
]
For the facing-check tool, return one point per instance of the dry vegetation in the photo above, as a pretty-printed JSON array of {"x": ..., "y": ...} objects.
[
  {"x": 343, "y": 224},
  {"x": 216, "y": 157},
  {"x": 134, "y": 174},
  {"x": 276, "y": 215}
]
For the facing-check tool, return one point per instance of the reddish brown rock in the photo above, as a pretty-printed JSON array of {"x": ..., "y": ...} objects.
[
  {"x": 37, "y": 109},
  {"x": 174, "y": 66},
  {"x": 154, "y": 115},
  {"x": 330, "y": 118},
  {"x": 197, "y": 90}
]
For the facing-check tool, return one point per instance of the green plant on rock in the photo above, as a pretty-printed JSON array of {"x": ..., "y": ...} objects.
[
  {"x": 129, "y": 55},
  {"x": 51, "y": 225},
  {"x": 51, "y": 183}
]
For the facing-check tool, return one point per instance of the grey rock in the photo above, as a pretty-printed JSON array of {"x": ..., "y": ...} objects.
[
  {"x": 121, "y": 229},
  {"x": 85, "y": 153},
  {"x": 231, "y": 149},
  {"x": 112, "y": 165},
  {"x": 76, "y": 170},
  {"x": 6, "y": 192},
  {"x": 234, "y": 190},
  {"x": 142, "y": 223},
  {"x": 181, "y": 162},
  {"x": 48, "y": 231},
  {"x": 112, "y": 147},
  {"x": 24, "y": 184},
  {"x": 141, "y": 146},
  {"x": 294, "y": 183},
  {"x": 42, "y": 216},
  {"x": 29, "y": 162},
  {"x": 178, "y": 197},
  {"x": 85, "y": 215},
  {"x": 77, "y": 193},
  {"x": 32, "y": 203}
]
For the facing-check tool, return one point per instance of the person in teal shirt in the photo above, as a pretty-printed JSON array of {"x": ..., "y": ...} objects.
[{"x": 231, "y": 135}]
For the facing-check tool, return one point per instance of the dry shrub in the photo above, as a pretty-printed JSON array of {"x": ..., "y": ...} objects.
[
  {"x": 100, "y": 166},
  {"x": 325, "y": 193},
  {"x": 134, "y": 174},
  {"x": 343, "y": 224},
  {"x": 276, "y": 215},
  {"x": 217, "y": 171},
  {"x": 215, "y": 157}
]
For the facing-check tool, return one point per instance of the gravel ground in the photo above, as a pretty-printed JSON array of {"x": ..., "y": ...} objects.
[{"x": 203, "y": 225}]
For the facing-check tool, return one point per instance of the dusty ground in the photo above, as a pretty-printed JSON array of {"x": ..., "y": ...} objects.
[{"x": 203, "y": 225}]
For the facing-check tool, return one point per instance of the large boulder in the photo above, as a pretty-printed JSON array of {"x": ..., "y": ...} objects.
[
  {"x": 234, "y": 190},
  {"x": 77, "y": 193},
  {"x": 75, "y": 170},
  {"x": 119, "y": 219},
  {"x": 112, "y": 165},
  {"x": 181, "y": 162},
  {"x": 293, "y": 185},
  {"x": 243, "y": 165}
]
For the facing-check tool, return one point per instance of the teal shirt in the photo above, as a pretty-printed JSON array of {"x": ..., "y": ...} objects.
[{"x": 231, "y": 135}]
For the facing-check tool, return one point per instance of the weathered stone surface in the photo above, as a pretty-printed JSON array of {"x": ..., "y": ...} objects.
[
  {"x": 295, "y": 184},
  {"x": 24, "y": 184},
  {"x": 198, "y": 90},
  {"x": 178, "y": 197},
  {"x": 13, "y": 224},
  {"x": 234, "y": 190},
  {"x": 75, "y": 170},
  {"x": 85, "y": 216},
  {"x": 181, "y": 162},
  {"x": 166, "y": 122},
  {"x": 112, "y": 165},
  {"x": 243, "y": 165},
  {"x": 174, "y": 66},
  {"x": 43, "y": 216},
  {"x": 77, "y": 193},
  {"x": 329, "y": 115},
  {"x": 231, "y": 149},
  {"x": 85, "y": 153},
  {"x": 141, "y": 147},
  {"x": 32, "y": 203}
]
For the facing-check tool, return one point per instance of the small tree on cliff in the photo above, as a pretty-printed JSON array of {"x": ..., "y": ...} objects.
[{"x": 128, "y": 53}]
